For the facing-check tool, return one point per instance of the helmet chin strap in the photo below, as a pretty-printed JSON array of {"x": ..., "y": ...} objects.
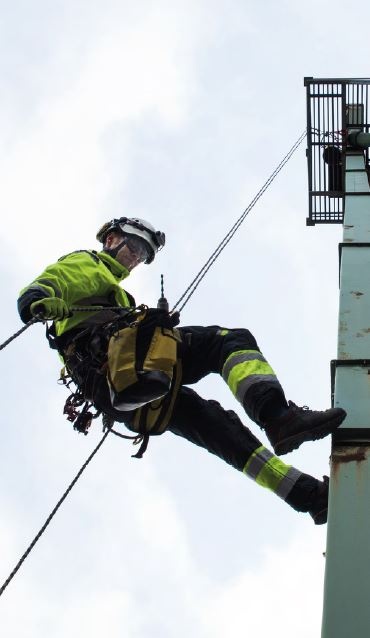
[{"x": 113, "y": 252}]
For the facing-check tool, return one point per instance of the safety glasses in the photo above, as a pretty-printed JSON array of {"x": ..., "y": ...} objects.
[{"x": 138, "y": 247}]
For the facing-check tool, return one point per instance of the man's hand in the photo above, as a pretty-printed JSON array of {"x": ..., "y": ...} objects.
[{"x": 52, "y": 308}]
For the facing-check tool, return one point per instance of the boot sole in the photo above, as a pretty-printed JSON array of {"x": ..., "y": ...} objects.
[
  {"x": 293, "y": 442},
  {"x": 321, "y": 517}
]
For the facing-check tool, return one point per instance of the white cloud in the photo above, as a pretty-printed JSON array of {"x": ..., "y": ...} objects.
[
  {"x": 111, "y": 613},
  {"x": 181, "y": 110},
  {"x": 56, "y": 174},
  {"x": 282, "y": 597}
]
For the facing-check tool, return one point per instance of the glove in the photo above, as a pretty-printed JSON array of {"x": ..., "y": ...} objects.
[{"x": 50, "y": 308}]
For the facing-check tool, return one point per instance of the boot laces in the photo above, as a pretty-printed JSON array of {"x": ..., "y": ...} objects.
[
  {"x": 305, "y": 408},
  {"x": 294, "y": 405}
]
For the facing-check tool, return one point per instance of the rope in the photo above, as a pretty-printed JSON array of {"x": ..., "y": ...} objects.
[
  {"x": 210, "y": 261},
  {"x": 189, "y": 292},
  {"x": 19, "y": 332},
  {"x": 39, "y": 318},
  {"x": 51, "y": 516},
  {"x": 205, "y": 268}
]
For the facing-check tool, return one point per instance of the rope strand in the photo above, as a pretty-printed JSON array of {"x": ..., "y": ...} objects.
[
  {"x": 40, "y": 319},
  {"x": 19, "y": 332},
  {"x": 185, "y": 296},
  {"x": 210, "y": 261},
  {"x": 205, "y": 268},
  {"x": 51, "y": 516}
]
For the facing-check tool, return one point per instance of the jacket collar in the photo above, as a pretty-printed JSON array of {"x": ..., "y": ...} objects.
[{"x": 119, "y": 271}]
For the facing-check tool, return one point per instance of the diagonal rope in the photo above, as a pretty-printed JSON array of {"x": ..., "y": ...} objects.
[
  {"x": 186, "y": 296},
  {"x": 205, "y": 268},
  {"x": 19, "y": 332},
  {"x": 51, "y": 516},
  {"x": 40, "y": 319},
  {"x": 216, "y": 253}
]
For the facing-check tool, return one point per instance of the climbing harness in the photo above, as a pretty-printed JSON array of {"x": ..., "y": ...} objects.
[
  {"x": 82, "y": 418},
  {"x": 120, "y": 366}
]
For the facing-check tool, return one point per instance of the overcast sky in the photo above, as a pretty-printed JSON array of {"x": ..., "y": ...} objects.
[{"x": 176, "y": 112}]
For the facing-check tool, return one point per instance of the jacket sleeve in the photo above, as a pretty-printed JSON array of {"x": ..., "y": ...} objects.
[
  {"x": 44, "y": 286},
  {"x": 74, "y": 277}
]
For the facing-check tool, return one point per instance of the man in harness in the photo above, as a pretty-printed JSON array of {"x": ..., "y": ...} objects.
[{"x": 135, "y": 366}]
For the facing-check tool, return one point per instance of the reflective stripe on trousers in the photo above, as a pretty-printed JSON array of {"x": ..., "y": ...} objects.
[
  {"x": 245, "y": 368},
  {"x": 271, "y": 472}
]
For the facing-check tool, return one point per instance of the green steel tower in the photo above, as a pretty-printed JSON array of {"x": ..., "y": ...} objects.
[{"x": 338, "y": 135}]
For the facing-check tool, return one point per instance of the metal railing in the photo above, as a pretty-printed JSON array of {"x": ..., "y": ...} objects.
[{"x": 335, "y": 108}]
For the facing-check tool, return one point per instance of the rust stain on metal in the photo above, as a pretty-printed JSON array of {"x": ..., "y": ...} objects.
[
  {"x": 348, "y": 454},
  {"x": 357, "y": 455}
]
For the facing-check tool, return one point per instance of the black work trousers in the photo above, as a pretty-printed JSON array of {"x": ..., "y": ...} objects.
[
  {"x": 212, "y": 349},
  {"x": 206, "y": 423},
  {"x": 204, "y": 350}
]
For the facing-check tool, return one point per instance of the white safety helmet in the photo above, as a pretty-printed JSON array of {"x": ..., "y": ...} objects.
[{"x": 154, "y": 239}]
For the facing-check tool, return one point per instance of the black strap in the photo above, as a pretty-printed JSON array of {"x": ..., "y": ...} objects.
[{"x": 165, "y": 408}]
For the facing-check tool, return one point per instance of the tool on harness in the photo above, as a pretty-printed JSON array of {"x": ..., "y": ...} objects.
[
  {"x": 81, "y": 418},
  {"x": 162, "y": 301},
  {"x": 162, "y": 304}
]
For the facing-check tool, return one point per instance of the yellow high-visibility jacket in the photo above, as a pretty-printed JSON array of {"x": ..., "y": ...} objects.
[{"x": 82, "y": 278}]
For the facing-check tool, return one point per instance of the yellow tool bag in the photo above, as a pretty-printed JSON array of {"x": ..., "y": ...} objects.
[{"x": 141, "y": 361}]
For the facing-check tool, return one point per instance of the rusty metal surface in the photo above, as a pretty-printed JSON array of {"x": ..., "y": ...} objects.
[
  {"x": 346, "y": 610},
  {"x": 348, "y": 454},
  {"x": 346, "y": 598}
]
